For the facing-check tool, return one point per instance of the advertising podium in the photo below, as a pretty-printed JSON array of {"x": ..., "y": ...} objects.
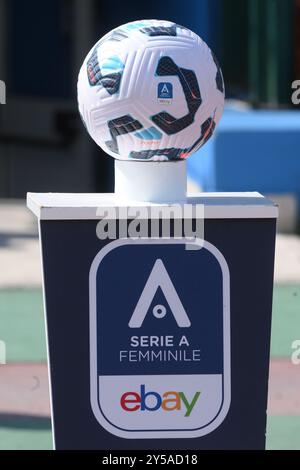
[{"x": 157, "y": 342}]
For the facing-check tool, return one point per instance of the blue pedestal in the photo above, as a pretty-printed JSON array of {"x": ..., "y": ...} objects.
[{"x": 153, "y": 345}]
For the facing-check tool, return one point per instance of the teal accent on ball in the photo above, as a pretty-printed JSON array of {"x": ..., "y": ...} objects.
[
  {"x": 136, "y": 25},
  {"x": 149, "y": 134},
  {"x": 111, "y": 64}
]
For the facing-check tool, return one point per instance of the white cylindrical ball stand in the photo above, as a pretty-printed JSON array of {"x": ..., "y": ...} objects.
[{"x": 157, "y": 182}]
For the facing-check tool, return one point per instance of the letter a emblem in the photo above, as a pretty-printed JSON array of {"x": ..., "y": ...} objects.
[{"x": 159, "y": 277}]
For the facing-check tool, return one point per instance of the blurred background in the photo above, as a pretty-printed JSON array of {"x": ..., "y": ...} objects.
[{"x": 44, "y": 147}]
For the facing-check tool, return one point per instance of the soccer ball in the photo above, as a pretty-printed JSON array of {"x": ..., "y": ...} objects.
[{"x": 150, "y": 90}]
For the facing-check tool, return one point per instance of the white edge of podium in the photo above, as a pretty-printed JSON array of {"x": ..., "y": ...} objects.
[{"x": 84, "y": 206}]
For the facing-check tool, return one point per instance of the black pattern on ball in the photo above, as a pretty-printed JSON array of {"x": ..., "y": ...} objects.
[
  {"x": 188, "y": 80},
  {"x": 120, "y": 126},
  {"x": 207, "y": 129},
  {"x": 173, "y": 153},
  {"x": 219, "y": 78},
  {"x": 111, "y": 82},
  {"x": 159, "y": 30}
]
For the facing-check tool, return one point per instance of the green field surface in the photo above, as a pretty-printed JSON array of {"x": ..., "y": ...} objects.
[
  {"x": 285, "y": 320},
  {"x": 283, "y": 432},
  {"x": 22, "y": 329},
  {"x": 25, "y": 439},
  {"x": 22, "y": 323}
]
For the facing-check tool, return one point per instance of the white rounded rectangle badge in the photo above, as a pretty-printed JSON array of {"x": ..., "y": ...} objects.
[{"x": 159, "y": 338}]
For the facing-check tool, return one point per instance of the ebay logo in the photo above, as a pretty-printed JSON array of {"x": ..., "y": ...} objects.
[{"x": 153, "y": 401}]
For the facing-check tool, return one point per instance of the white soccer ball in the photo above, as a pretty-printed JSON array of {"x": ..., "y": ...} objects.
[{"x": 150, "y": 90}]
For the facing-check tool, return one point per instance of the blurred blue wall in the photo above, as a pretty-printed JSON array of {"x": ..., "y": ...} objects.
[
  {"x": 202, "y": 16},
  {"x": 251, "y": 151}
]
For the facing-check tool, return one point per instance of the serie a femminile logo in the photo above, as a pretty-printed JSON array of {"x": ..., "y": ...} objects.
[{"x": 157, "y": 367}]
